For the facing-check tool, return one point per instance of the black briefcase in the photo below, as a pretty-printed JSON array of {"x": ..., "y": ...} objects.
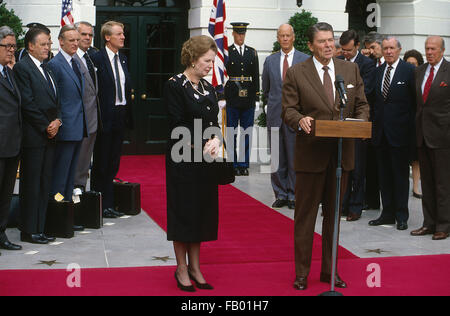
[
  {"x": 127, "y": 197},
  {"x": 89, "y": 212},
  {"x": 14, "y": 211},
  {"x": 60, "y": 219}
]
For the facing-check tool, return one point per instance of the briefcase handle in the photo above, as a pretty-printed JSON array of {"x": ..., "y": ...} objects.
[{"x": 120, "y": 180}]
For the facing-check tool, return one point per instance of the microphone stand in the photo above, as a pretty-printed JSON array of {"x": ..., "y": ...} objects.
[{"x": 332, "y": 291}]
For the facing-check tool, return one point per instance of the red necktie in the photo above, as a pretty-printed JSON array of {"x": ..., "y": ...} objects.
[
  {"x": 285, "y": 66},
  {"x": 426, "y": 89}
]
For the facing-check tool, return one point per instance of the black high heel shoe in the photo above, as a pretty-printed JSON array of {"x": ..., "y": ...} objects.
[
  {"x": 201, "y": 286},
  {"x": 186, "y": 288}
]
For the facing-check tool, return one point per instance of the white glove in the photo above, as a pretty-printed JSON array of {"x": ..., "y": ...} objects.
[
  {"x": 212, "y": 147},
  {"x": 222, "y": 104}
]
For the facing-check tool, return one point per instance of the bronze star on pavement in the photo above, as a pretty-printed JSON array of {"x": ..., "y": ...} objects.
[
  {"x": 165, "y": 259},
  {"x": 49, "y": 263},
  {"x": 378, "y": 251}
]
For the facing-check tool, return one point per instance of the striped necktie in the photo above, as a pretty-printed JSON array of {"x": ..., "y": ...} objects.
[{"x": 387, "y": 82}]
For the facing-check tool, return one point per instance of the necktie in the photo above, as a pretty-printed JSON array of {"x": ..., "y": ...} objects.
[
  {"x": 49, "y": 81},
  {"x": 379, "y": 62},
  {"x": 285, "y": 66},
  {"x": 328, "y": 85},
  {"x": 387, "y": 82},
  {"x": 90, "y": 66},
  {"x": 426, "y": 89},
  {"x": 240, "y": 50},
  {"x": 76, "y": 70},
  {"x": 118, "y": 85},
  {"x": 6, "y": 76}
]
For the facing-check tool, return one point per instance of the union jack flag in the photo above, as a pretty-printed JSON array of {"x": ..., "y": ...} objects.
[
  {"x": 66, "y": 15},
  {"x": 218, "y": 32}
]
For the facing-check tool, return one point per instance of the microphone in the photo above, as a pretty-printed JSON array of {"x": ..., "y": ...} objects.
[{"x": 340, "y": 87}]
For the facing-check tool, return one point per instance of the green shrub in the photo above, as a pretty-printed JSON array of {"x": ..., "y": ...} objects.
[{"x": 8, "y": 17}]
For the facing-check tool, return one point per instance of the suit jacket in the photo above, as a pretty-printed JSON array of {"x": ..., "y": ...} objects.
[
  {"x": 272, "y": 84},
  {"x": 71, "y": 92},
  {"x": 10, "y": 117},
  {"x": 238, "y": 66},
  {"x": 40, "y": 105},
  {"x": 106, "y": 90},
  {"x": 304, "y": 95},
  {"x": 90, "y": 99},
  {"x": 395, "y": 117},
  {"x": 433, "y": 117}
]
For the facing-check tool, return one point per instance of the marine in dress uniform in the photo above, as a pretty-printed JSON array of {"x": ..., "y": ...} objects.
[{"x": 241, "y": 93}]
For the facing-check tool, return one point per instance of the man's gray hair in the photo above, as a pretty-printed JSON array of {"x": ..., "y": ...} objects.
[
  {"x": 83, "y": 23},
  {"x": 66, "y": 28},
  {"x": 388, "y": 38},
  {"x": 6, "y": 31},
  {"x": 373, "y": 37}
]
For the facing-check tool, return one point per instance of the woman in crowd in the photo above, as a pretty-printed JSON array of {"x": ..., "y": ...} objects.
[
  {"x": 192, "y": 191},
  {"x": 415, "y": 58}
]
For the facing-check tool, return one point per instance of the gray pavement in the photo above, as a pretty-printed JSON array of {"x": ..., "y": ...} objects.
[{"x": 138, "y": 241}]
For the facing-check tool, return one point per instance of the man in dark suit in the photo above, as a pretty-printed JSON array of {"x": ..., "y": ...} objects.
[
  {"x": 90, "y": 101},
  {"x": 354, "y": 198},
  {"x": 393, "y": 133},
  {"x": 114, "y": 91},
  {"x": 70, "y": 84},
  {"x": 433, "y": 139},
  {"x": 41, "y": 122},
  {"x": 275, "y": 68},
  {"x": 10, "y": 131},
  {"x": 241, "y": 93},
  {"x": 308, "y": 95}
]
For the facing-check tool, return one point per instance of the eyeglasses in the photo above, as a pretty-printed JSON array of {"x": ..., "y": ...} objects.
[{"x": 9, "y": 46}]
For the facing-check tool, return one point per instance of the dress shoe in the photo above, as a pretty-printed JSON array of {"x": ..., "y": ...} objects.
[
  {"x": 422, "y": 231},
  {"x": 201, "y": 286},
  {"x": 417, "y": 195},
  {"x": 381, "y": 221},
  {"x": 402, "y": 226},
  {"x": 78, "y": 228},
  {"x": 107, "y": 214},
  {"x": 33, "y": 238},
  {"x": 291, "y": 205},
  {"x": 186, "y": 288},
  {"x": 49, "y": 239},
  {"x": 301, "y": 283},
  {"x": 116, "y": 213},
  {"x": 237, "y": 172},
  {"x": 338, "y": 282},
  {"x": 351, "y": 217},
  {"x": 440, "y": 236},
  {"x": 244, "y": 172},
  {"x": 7, "y": 245},
  {"x": 279, "y": 203}
]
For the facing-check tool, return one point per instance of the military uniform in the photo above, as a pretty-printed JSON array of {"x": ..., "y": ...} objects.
[{"x": 241, "y": 93}]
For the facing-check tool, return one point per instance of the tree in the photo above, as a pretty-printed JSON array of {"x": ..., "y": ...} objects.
[{"x": 8, "y": 17}]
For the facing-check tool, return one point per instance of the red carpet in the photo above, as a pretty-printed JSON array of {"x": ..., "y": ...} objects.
[{"x": 253, "y": 256}]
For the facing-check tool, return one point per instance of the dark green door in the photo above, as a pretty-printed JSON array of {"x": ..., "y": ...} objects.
[{"x": 153, "y": 47}]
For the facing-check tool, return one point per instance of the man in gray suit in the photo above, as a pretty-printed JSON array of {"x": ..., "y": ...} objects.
[
  {"x": 10, "y": 131},
  {"x": 90, "y": 101},
  {"x": 275, "y": 68}
]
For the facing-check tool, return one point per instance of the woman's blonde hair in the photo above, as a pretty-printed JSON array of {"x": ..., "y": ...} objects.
[{"x": 195, "y": 47}]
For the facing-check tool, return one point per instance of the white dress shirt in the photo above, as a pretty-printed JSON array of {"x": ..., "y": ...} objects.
[
  {"x": 394, "y": 67},
  {"x": 427, "y": 73},
  {"x": 321, "y": 72},
  {"x": 290, "y": 60},
  {"x": 239, "y": 48},
  {"x": 81, "y": 54},
  {"x": 354, "y": 58},
  {"x": 121, "y": 76}
]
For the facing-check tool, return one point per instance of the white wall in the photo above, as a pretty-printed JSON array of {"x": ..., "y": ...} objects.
[{"x": 48, "y": 12}]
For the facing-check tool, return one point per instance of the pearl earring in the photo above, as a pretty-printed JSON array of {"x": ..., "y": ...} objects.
[{"x": 193, "y": 65}]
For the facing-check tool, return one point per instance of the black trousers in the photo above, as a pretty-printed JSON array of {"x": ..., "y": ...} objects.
[
  {"x": 106, "y": 161},
  {"x": 36, "y": 171},
  {"x": 8, "y": 170},
  {"x": 393, "y": 171}
]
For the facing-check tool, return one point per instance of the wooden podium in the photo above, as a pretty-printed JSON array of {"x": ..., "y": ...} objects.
[
  {"x": 340, "y": 130},
  {"x": 344, "y": 129}
]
